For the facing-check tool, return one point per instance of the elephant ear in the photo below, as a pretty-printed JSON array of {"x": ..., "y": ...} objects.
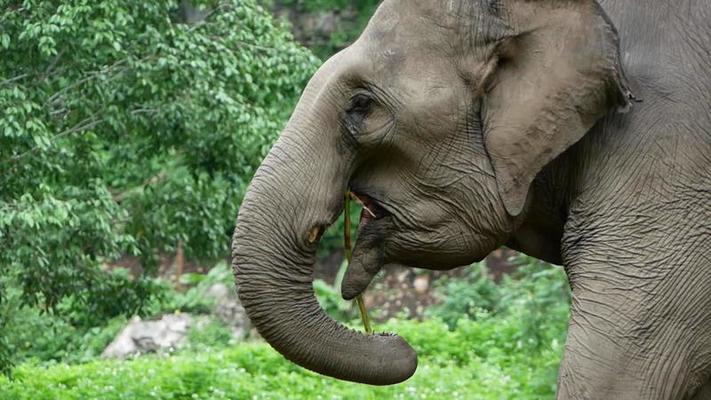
[{"x": 553, "y": 79}]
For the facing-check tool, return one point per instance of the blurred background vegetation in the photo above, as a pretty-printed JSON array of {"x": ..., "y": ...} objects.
[{"x": 128, "y": 134}]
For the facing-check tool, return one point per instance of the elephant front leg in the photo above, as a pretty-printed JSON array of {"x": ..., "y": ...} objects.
[{"x": 636, "y": 334}]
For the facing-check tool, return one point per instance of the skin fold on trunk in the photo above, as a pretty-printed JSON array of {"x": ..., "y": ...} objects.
[{"x": 274, "y": 247}]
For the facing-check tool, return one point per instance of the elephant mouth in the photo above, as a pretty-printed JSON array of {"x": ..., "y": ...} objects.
[{"x": 372, "y": 209}]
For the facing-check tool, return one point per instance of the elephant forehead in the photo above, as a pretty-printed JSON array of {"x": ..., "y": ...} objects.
[
  {"x": 425, "y": 39},
  {"x": 405, "y": 28},
  {"x": 450, "y": 23}
]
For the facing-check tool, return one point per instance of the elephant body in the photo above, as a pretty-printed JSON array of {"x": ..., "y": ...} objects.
[
  {"x": 578, "y": 132},
  {"x": 634, "y": 227}
]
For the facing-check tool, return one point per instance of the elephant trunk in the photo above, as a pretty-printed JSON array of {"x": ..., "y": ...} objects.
[{"x": 295, "y": 195}]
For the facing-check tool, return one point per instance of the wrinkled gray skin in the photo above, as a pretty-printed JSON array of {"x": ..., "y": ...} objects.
[{"x": 476, "y": 124}]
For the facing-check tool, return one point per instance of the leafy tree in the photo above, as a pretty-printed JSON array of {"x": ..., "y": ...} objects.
[{"x": 125, "y": 131}]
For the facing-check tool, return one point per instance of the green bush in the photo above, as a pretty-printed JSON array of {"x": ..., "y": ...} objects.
[
  {"x": 456, "y": 364},
  {"x": 212, "y": 334},
  {"x": 76, "y": 332},
  {"x": 510, "y": 348},
  {"x": 72, "y": 335},
  {"x": 466, "y": 297},
  {"x": 31, "y": 334},
  {"x": 194, "y": 298},
  {"x": 534, "y": 290}
]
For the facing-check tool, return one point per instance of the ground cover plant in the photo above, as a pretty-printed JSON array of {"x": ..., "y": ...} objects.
[{"x": 510, "y": 350}]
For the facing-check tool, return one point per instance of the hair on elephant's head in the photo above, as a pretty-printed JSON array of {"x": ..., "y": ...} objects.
[{"x": 439, "y": 117}]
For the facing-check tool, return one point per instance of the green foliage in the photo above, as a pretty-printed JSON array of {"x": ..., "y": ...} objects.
[
  {"x": 534, "y": 290},
  {"x": 194, "y": 299},
  {"x": 329, "y": 297},
  {"x": 73, "y": 334},
  {"x": 6, "y": 357},
  {"x": 124, "y": 131},
  {"x": 479, "y": 360},
  {"x": 212, "y": 334},
  {"x": 115, "y": 294},
  {"x": 79, "y": 333},
  {"x": 315, "y": 5},
  {"x": 30, "y": 334},
  {"x": 466, "y": 297},
  {"x": 510, "y": 349}
]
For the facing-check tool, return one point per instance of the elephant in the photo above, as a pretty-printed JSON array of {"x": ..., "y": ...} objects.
[{"x": 575, "y": 131}]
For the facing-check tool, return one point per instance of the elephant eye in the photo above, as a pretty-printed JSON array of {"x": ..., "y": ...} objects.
[{"x": 361, "y": 104}]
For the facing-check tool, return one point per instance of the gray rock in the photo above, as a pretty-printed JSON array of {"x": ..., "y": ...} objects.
[
  {"x": 171, "y": 331},
  {"x": 141, "y": 337},
  {"x": 220, "y": 292},
  {"x": 229, "y": 310}
]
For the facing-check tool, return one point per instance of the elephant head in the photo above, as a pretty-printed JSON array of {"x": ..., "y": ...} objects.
[{"x": 439, "y": 117}]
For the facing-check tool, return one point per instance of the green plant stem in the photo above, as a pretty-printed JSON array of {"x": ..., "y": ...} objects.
[{"x": 349, "y": 255}]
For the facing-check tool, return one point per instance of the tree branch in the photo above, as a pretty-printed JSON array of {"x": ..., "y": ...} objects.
[
  {"x": 87, "y": 78},
  {"x": 14, "y": 79},
  {"x": 85, "y": 124}
]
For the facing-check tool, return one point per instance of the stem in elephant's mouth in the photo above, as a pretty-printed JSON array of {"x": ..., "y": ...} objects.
[
  {"x": 360, "y": 201},
  {"x": 349, "y": 254}
]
